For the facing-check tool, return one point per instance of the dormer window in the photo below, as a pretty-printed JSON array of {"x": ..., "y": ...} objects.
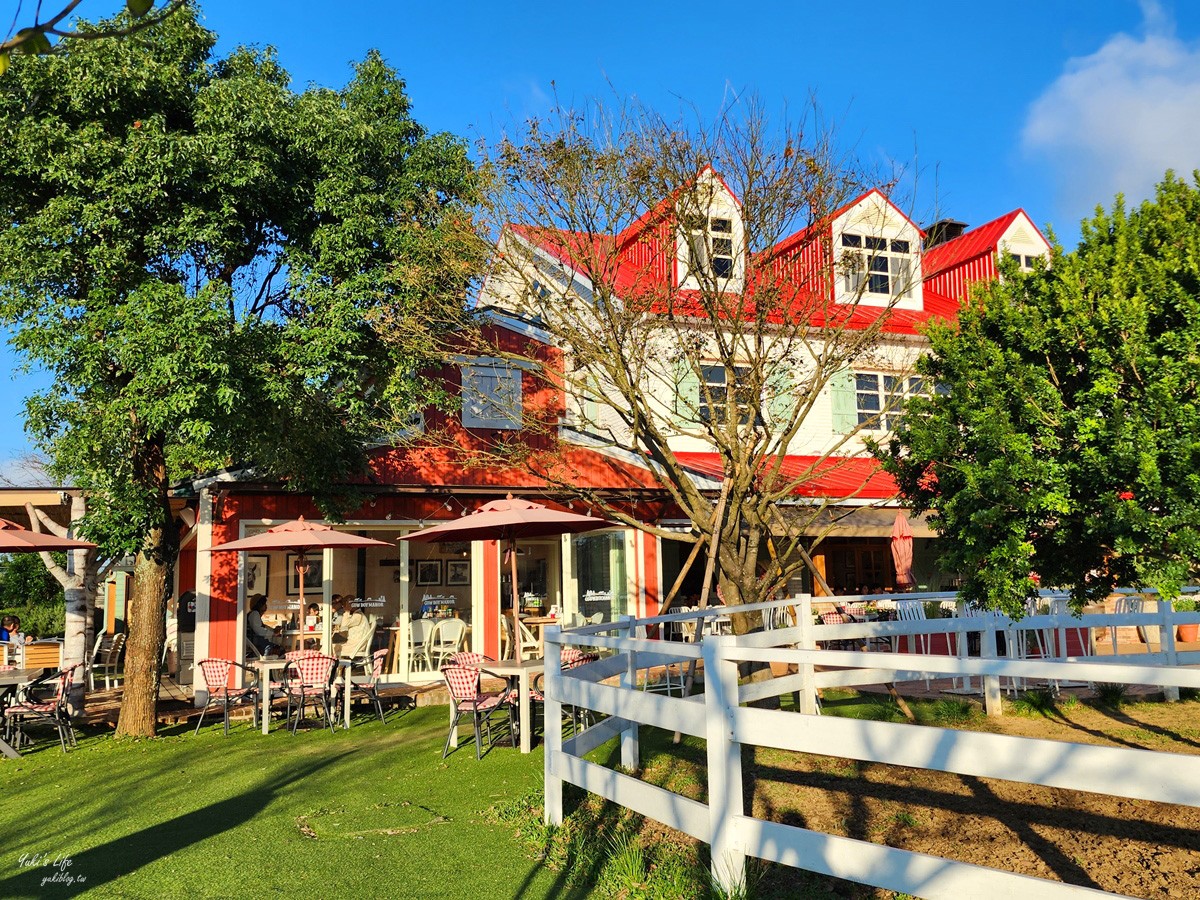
[
  {"x": 712, "y": 248},
  {"x": 721, "y": 234},
  {"x": 876, "y": 265},
  {"x": 1025, "y": 262}
]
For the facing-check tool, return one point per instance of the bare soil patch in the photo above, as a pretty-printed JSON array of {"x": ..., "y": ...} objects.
[{"x": 1137, "y": 848}]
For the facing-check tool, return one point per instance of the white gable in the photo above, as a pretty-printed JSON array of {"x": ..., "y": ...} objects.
[
  {"x": 702, "y": 242},
  {"x": 893, "y": 256},
  {"x": 1022, "y": 238}
]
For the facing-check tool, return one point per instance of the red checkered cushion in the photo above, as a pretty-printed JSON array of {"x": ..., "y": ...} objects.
[{"x": 463, "y": 682}]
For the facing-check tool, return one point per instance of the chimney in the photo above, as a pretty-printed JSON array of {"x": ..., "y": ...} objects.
[{"x": 943, "y": 230}]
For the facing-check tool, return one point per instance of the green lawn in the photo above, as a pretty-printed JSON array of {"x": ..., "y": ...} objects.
[{"x": 369, "y": 812}]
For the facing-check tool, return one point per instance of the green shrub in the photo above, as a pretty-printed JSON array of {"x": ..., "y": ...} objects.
[
  {"x": 1112, "y": 695},
  {"x": 1039, "y": 702}
]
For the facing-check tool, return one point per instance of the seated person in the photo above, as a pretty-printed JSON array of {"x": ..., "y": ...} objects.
[
  {"x": 312, "y": 625},
  {"x": 264, "y": 639},
  {"x": 10, "y": 631},
  {"x": 354, "y": 632},
  {"x": 340, "y": 608}
]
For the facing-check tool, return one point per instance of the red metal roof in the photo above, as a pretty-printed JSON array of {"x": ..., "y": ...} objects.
[
  {"x": 833, "y": 478},
  {"x": 974, "y": 243}
]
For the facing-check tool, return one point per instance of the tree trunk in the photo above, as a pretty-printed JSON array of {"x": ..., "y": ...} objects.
[
  {"x": 75, "y": 641},
  {"x": 146, "y": 627},
  {"x": 78, "y": 579}
]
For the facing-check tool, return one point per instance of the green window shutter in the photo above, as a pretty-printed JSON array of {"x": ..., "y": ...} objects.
[
  {"x": 844, "y": 402},
  {"x": 781, "y": 395},
  {"x": 687, "y": 393}
]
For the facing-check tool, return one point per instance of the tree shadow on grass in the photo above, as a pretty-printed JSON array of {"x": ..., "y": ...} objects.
[
  {"x": 1120, "y": 715},
  {"x": 127, "y": 853}
]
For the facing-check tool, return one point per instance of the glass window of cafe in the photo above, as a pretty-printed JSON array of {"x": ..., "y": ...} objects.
[
  {"x": 598, "y": 561},
  {"x": 435, "y": 578}
]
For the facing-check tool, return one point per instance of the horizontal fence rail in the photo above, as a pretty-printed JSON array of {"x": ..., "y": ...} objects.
[{"x": 617, "y": 685}]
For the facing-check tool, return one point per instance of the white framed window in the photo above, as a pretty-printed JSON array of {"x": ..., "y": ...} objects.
[
  {"x": 879, "y": 398},
  {"x": 717, "y": 394},
  {"x": 491, "y": 395},
  {"x": 1025, "y": 262},
  {"x": 876, "y": 265},
  {"x": 711, "y": 248}
]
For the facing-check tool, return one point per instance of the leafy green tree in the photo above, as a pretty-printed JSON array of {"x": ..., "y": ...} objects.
[
  {"x": 1066, "y": 448},
  {"x": 212, "y": 268}
]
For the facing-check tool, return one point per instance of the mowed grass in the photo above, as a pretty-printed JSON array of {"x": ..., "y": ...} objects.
[{"x": 369, "y": 812}]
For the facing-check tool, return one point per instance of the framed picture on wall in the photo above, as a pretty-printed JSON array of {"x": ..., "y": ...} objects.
[
  {"x": 314, "y": 578},
  {"x": 458, "y": 571},
  {"x": 258, "y": 572},
  {"x": 429, "y": 571}
]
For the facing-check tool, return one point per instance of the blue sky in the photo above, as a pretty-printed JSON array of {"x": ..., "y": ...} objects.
[{"x": 1053, "y": 105}]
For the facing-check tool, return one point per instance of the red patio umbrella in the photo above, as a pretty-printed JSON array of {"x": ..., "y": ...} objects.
[
  {"x": 301, "y": 536},
  {"x": 509, "y": 520},
  {"x": 16, "y": 538},
  {"x": 902, "y": 550}
]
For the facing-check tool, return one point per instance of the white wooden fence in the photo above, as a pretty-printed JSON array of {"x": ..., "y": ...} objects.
[{"x": 721, "y": 718}]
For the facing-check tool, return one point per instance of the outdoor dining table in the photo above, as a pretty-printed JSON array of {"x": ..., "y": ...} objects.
[
  {"x": 10, "y": 680},
  {"x": 270, "y": 664},
  {"x": 521, "y": 672}
]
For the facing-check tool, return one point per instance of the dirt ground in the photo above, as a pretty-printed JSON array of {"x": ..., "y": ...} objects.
[{"x": 1131, "y": 847}]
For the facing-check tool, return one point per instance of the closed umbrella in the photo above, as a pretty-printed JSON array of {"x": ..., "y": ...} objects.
[
  {"x": 902, "y": 550},
  {"x": 509, "y": 520},
  {"x": 300, "y": 537}
]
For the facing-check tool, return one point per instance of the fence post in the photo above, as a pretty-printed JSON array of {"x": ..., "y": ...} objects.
[
  {"x": 724, "y": 767},
  {"x": 991, "y": 683},
  {"x": 552, "y": 726},
  {"x": 1166, "y": 643},
  {"x": 629, "y": 737},
  {"x": 808, "y": 673}
]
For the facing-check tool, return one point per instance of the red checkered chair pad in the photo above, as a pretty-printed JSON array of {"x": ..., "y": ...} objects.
[
  {"x": 463, "y": 682},
  {"x": 216, "y": 676}
]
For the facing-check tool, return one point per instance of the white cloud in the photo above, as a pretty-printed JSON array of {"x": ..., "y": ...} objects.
[{"x": 1115, "y": 121}]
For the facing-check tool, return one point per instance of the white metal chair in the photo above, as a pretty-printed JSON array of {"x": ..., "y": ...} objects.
[
  {"x": 672, "y": 673},
  {"x": 530, "y": 647},
  {"x": 445, "y": 640},
  {"x": 912, "y": 611},
  {"x": 110, "y": 663},
  {"x": 1127, "y": 604},
  {"x": 418, "y": 643}
]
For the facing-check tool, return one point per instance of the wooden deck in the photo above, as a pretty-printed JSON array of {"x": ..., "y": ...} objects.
[{"x": 176, "y": 707}]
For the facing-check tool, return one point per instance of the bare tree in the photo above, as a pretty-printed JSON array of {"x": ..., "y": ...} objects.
[{"x": 695, "y": 279}]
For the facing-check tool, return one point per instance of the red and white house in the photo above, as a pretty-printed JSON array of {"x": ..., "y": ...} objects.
[{"x": 418, "y": 479}]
